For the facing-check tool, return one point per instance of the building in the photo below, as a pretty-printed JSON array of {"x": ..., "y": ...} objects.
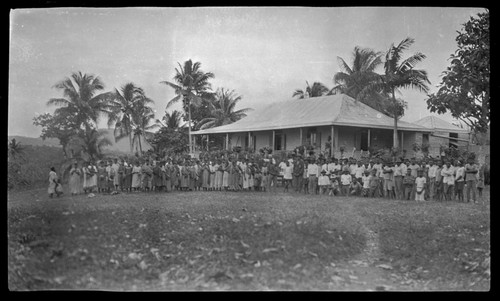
[
  {"x": 288, "y": 124},
  {"x": 443, "y": 134}
]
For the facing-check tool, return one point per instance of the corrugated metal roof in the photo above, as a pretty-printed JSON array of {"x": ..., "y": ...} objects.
[
  {"x": 438, "y": 124},
  {"x": 337, "y": 109}
]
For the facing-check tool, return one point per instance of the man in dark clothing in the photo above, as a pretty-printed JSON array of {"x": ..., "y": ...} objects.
[{"x": 298, "y": 173}]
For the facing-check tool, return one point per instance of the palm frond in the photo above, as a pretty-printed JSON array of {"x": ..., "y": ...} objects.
[
  {"x": 343, "y": 65},
  {"x": 59, "y": 102},
  {"x": 173, "y": 101}
]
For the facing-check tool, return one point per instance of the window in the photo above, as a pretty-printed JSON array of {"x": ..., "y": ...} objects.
[
  {"x": 425, "y": 138},
  {"x": 313, "y": 137},
  {"x": 279, "y": 141}
]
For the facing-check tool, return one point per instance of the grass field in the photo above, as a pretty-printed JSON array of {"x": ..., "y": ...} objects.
[{"x": 245, "y": 241}]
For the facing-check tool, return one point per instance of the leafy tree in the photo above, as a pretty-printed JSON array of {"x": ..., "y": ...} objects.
[
  {"x": 222, "y": 110},
  {"x": 191, "y": 85},
  {"x": 61, "y": 125},
  {"x": 399, "y": 74},
  {"x": 316, "y": 90},
  {"x": 356, "y": 78},
  {"x": 465, "y": 87},
  {"x": 169, "y": 141}
]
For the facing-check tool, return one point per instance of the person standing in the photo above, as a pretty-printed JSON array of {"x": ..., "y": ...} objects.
[
  {"x": 156, "y": 179},
  {"x": 87, "y": 177},
  {"x": 408, "y": 183},
  {"x": 345, "y": 181},
  {"x": 459, "y": 181},
  {"x": 374, "y": 184},
  {"x": 398, "y": 180},
  {"x": 420, "y": 182},
  {"x": 431, "y": 173},
  {"x": 212, "y": 167},
  {"x": 471, "y": 171},
  {"x": 480, "y": 183},
  {"x": 287, "y": 176},
  {"x": 366, "y": 183},
  {"x": 265, "y": 176},
  {"x": 312, "y": 173},
  {"x": 438, "y": 185},
  {"x": 218, "y": 175},
  {"x": 305, "y": 178},
  {"x": 274, "y": 172},
  {"x": 359, "y": 170},
  {"x": 136, "y": 176},
  {"x": 53, "y": 183},
  {"x": 379, "y": 168},
  {"x": 225, "y": 174},
  {"x": 184, "y": 176},
  {"x": 127, "y": 176},
  {"x": 75, "y": 180},
  {"x": 388, "y": 180},
  {"x": 117, "y": 176},
  {"x": 205, "y": 176},
  {"x": 448, "y": 173},
  {"x": 102, "y": 183},
  {"x": 323, "y": 182},
  {"x": 298, "y": 173}
]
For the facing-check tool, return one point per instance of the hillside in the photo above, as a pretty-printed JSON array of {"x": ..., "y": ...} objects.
[
  {"x": 122, "y": 146},
  {"x": 36, "y": 141}
]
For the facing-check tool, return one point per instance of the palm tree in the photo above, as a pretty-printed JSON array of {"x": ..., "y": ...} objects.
[
  {"x": 141, "y": 120},
  {"x": 222, "y": 110},
  {"x": 357, "y": 77},
  {"x": 81, "y": 98},
  {"x": 15, "y": 149},
  {"x": 122, "y": 107},
  {"x": 171, "y": 121},
  {"x": 92, "y": 142},
  {"x": 190, "y": 85},
  {"x": 316, "y": 90},
  {"x": 400, "y": 75}
]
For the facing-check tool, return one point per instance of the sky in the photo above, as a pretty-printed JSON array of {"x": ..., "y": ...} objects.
[{"x": 262, "y": 53}]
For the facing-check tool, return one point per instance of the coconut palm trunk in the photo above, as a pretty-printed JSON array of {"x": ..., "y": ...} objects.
[
  {"x": 189, "y": 128},
  {"x": 395, "y": 133}
]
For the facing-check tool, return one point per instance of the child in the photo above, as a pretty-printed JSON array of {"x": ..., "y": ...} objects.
[
  {"x": 366, "y": 183},
  {"x": 334, "y": 189},
  {"x": 53, "y": 182},
  {"x": 355, "y": 187},
  {"x": 345, "y": 180},
  {"x": 408, "y": 182},
  {"x": 374, "y": 184},
  {"x": 324, "y": 182},
  {"x": 420, "y": 183},
  {"x": 257, "y": 179}
]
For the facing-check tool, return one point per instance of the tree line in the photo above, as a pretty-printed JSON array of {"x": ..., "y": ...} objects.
[{"x": 464, "y": 92}]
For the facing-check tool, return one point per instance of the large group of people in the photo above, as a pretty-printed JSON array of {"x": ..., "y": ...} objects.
[{"x": 408, "y": 179}]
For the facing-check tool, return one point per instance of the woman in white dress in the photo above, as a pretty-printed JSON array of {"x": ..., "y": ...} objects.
[{"x": 136, "y": 176}]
